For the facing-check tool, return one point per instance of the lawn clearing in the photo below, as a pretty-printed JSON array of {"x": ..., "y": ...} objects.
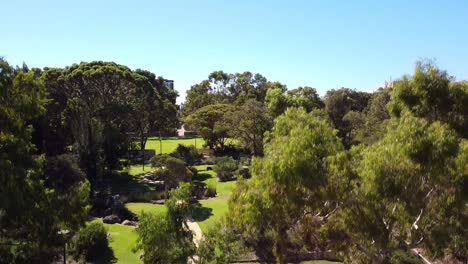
[
  {"x": 208, "y": 177},
  {"x": 137, "y": 208},
  {"x": 169, "y": 145},
  {"x": 122, "y": 240},
  {"x": 212, "y": 210}
]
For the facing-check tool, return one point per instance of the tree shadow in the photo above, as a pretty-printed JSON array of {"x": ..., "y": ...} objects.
[
  {"x": 107, "y": 257},
  {"x": 202, "y": 177},
  {"x": 122, "y": 182},
  {"x": 200, "y": 213}
]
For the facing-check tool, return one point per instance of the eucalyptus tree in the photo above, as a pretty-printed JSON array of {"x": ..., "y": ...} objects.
[
  {"x": 208, "y": 121},
  {"x": 410, "y": 195},
  {"x": 248, "y": 124},
  {"x": 287, "y": 187}
]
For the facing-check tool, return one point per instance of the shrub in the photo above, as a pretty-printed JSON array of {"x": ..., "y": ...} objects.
[
  {"x": 244, "y": 170},
  {"x": 210, "y": 190},
  {"x": 225, "y": 168},
  {"x": 189, "y": 154},
  {"x": 90, "y": 242}
]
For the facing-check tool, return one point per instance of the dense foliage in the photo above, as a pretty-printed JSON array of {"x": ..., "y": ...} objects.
[
  {"x": 90, "y": 242},
  {"x": 390, "y": 179},
  {"x": 165, "y": 238},
  {"x": 225, "y": 168},
  {"x": 33, "y": 186},
  {"x": 363, "y": 177}
]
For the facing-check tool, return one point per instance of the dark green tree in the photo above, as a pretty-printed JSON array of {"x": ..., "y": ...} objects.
[
  {"x": 248, "y": 124},
  {"x": 208, "y": 121}
]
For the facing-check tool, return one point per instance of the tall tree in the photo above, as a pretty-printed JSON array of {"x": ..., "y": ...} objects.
[
  {"x": 410, "y": 193},
  {"x": 208, "y": 122},
  {"x": 165, "y": 238},
  {"x": 286, "y": 183},
  {"x": 248, "y": 123},
  {"x": 432, "y": 94},
  {"x": 31, "y": 206},
  {"x": 338, "y": 103}
]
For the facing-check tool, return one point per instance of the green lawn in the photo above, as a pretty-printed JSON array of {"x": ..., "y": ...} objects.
[
  {"x": 208, "y": 177},
  {"x": 212, "y": 210},
  {"x": 169, "y": 145},
  {"x": 122, "y": 240},
  {"x": 137, "y": 208}
]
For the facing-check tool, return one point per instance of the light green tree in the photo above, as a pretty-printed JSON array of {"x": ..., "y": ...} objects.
[{"x": 165, "y": 238}]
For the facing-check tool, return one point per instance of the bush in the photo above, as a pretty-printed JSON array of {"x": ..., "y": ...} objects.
[
  {"x": 90, "y": 242},
  {"x": 210, "y": 190},
  {"x": 225, "y": 168},
  {"x": 244, "y": 170},
  {"x": 189, "y": 154}
]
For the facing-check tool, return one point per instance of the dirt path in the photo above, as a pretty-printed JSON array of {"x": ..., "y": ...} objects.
[
  {"x": 195, "y": 228},
  {"x": 197, "y": 236}
]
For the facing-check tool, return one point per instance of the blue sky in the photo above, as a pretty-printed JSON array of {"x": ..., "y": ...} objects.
[{"x": 324, "y": 44}]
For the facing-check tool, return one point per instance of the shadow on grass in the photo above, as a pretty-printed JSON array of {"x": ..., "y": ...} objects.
[
  {"x": 107, "y": 257},
  {"x": 202, "y": 177},
  {"x": 124, "y": 183},
  {"x": 200, "y": 213}
]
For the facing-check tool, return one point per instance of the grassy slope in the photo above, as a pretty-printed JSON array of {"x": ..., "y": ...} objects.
[
  {"x": 122, "y": 239},
  {"x": 137, "y": 208}
]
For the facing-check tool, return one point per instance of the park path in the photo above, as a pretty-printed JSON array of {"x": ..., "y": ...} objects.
[
  {"x": 195, "y": 228},
  {"x": 197, "y": 237}
]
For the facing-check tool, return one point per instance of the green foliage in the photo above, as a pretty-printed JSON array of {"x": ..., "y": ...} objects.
[
  {"x": 248, "y": 124},
  {"x": 28, "y": 228},
  {"x": 225, "y": 167},
  {"x": 338, "y": 103},
  {"x": 164, "y": 238},
  {"x": 306, "y": 97},
  {"x": 219, "y": 246},
  {"x": 224, "y": 88},
  {"x": 208, "y": 122},
  {"x": 276, "y": 101},
  {"x": 266, "y": 209},
  {"x": 210, "y": 190},
  {"x": 90, "y": 242},
  {"x": 171, "y": 170},
  {"x": 93, "y": 106},
  {"x": 189, "y": 154},
  {"x": 431, "y": 93},
  {"x": 410, "y": 184}
]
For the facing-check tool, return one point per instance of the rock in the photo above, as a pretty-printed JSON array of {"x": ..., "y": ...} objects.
[
  {"x": 129, "y": 223},
  {"x": 111, "y": 219},
  {"x": 157, "y": 201},
  {"x": 107, "y": 212}
]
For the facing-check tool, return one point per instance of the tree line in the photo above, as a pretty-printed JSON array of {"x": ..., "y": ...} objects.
[
  {"x": 61, "y": 131},
  {"x": 367, "y": 176}
]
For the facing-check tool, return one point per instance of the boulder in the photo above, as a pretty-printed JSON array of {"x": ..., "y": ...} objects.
[
  {"x": 157, "y": 201},
  {"x": 111, "y": 219},
  {"x": 107, "y": 212},
  {"x": 129, "y": 223}
]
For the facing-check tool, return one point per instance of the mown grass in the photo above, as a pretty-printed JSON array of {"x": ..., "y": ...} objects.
[
  {"x": 208, "y": 177},
  {"x": 138, "y": 208},
  {"x": 122, "y": 240},
  {"x": 169, "y": 145}
]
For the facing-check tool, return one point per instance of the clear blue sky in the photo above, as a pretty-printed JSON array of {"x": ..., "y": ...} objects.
[{"x": 324, "y": 44}]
